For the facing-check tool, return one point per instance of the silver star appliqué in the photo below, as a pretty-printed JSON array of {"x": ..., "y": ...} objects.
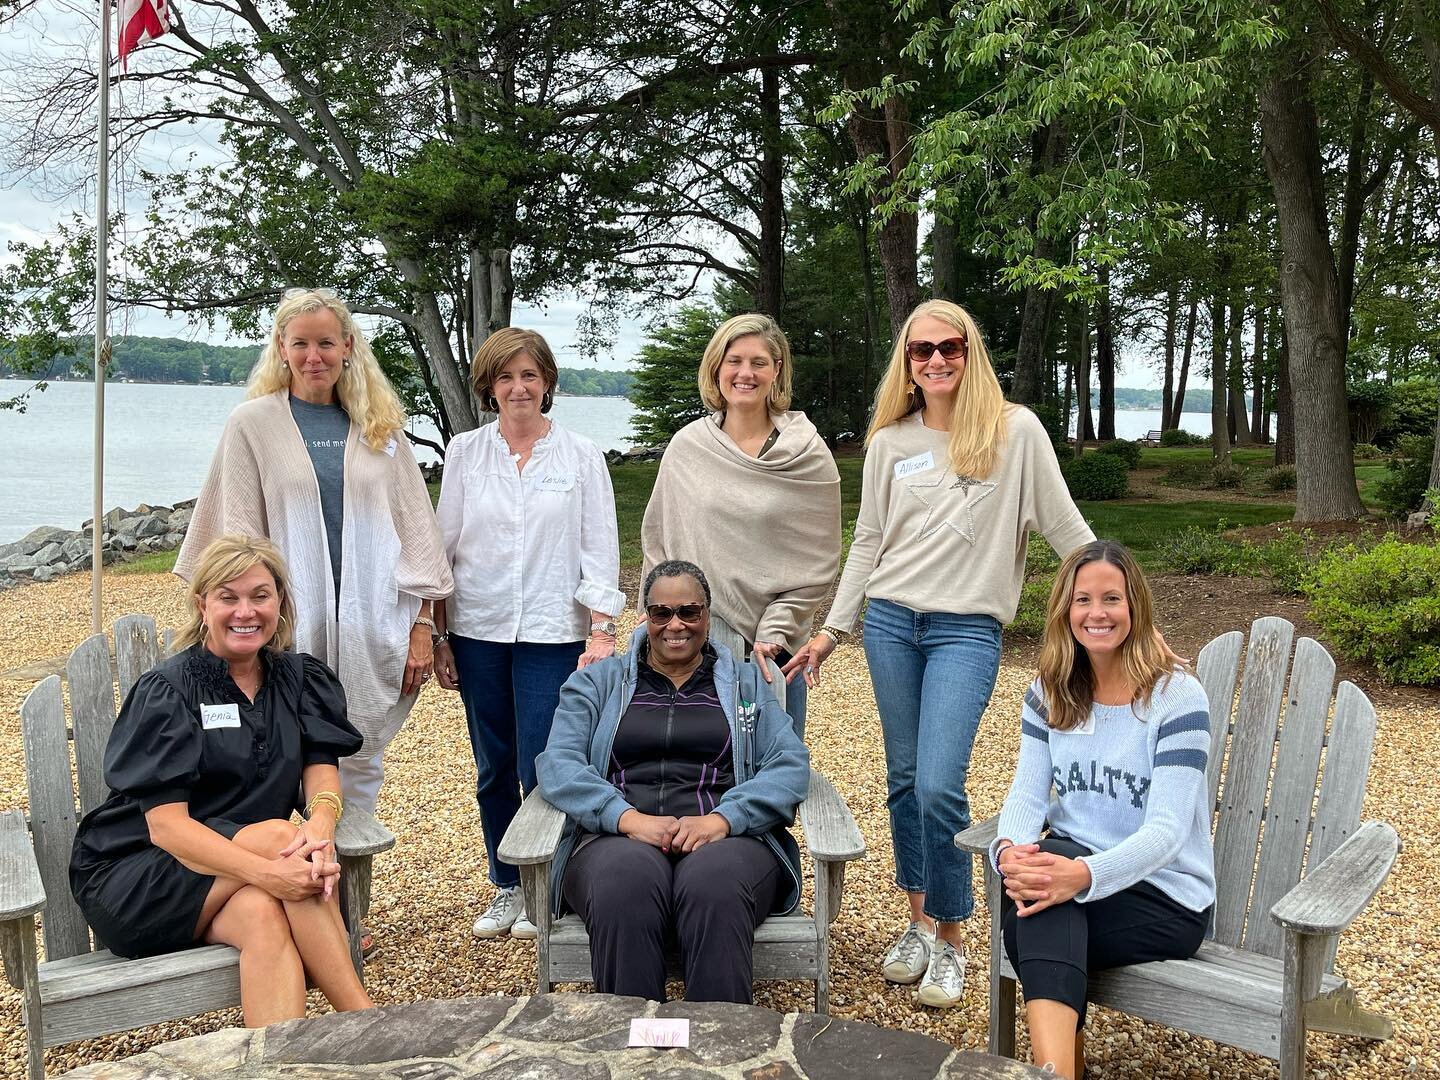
[{"x": 962, "y": 517}]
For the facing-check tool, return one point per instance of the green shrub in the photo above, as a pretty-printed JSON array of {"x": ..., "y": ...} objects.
[
  {"x": 1190, "y": 474},
  {"x": 1280, "y": 478},
  {"x": 1030, "y": 615},
  {"x": 1226, "y": 474},
  {"x": 1040, "y": 559},
  {"x": 1095, "y": 477},
  {"x": 1194, "y": 550},
  {"x": 1283, "y": 560},
  {"x": 1407, "y": 474},
  {"x": 1382, "y": 605},
  {"x": 1368, "y": 451},
  {"x": 1412, "y": 410},
  {"x": 1177, "y": 437},
  {"x": 1124, "y": 449}
]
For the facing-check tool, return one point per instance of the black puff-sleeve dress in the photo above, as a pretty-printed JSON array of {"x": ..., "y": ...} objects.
[{"x": 240, "y": 766}]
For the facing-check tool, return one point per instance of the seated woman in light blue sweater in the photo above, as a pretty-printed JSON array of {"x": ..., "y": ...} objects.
[{"x": 1120, "y": 738}]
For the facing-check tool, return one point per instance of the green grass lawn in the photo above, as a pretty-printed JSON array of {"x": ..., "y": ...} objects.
[
  {"x": 1162, "y": 457},
  {"x": 1142, "y": 526}
]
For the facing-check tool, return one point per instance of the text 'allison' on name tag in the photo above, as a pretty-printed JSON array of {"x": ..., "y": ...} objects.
[
  {"x": 659, "y": 1031},
  {"x": 555, "y": 482},
  {"x": 218, "y": 716},
  {"x": 917, "y": 464}
]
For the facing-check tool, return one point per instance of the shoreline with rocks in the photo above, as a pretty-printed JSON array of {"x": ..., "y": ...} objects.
[{"x": 48, "y": 551}]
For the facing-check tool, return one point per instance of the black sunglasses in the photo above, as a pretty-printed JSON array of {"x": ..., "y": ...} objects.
[
  {"x": 921, "y": 351},
  {"x": 662, "y": 613}
]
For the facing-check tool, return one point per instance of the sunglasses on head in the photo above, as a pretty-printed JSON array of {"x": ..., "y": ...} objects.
[
  {"x": 663, "y": 613},
  {"x": 921, "y": 351}
]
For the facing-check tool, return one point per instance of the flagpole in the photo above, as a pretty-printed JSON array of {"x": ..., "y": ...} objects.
[{"x": 102, "y": 342}]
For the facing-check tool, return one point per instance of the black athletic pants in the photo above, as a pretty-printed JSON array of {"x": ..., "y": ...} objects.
[
  {"x": 635, "y": 900},
  {"x": 1054, "y": 950}
]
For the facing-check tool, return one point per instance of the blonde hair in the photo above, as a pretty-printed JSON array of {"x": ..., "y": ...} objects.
[
  {"x": 226, "y": 559},
  {"x": 726, "y": 334},
  {"x": 499, "y": 349},
  {"x": 363, "y": 390},
  {"x": 978, "y": 422},
  {"x": 1066, "y": 678}
]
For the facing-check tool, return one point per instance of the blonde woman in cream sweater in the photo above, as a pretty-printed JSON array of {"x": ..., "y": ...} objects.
[
  {"x": 751, "y": 491},
  {"x": 955, "y": 481}
]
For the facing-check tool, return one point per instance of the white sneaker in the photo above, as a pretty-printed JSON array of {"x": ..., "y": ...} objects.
[
  {"x": 944, "y": 981},
  {"x": 909, "y": 957},
  {"x": 523, "y": 928},
  {"x": 500, "y": 917}
]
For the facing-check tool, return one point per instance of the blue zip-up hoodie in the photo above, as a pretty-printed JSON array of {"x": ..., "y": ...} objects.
[{"x": 772, "y": 766}]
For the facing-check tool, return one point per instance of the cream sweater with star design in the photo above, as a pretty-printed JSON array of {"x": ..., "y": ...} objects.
[{"x": 934, "y": 541}]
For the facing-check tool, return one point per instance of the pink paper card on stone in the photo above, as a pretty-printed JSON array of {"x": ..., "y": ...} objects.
[{"x": 659, "y": 1031}]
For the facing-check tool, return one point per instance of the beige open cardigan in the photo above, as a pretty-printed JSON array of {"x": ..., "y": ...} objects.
[{"x": 262, "y": 483}]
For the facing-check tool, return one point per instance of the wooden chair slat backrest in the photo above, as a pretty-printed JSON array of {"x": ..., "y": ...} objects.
[
  {"x": 1247, "y": 775},
  {"x": 137, "y": 649},
  {"x": 1216, "y": 668},
  {"x": 52, "y": 815},
  {"x": 1292, "y": 792},
  {"x": 92, "y": 712},
  {"x": 1342, "y": 788}
]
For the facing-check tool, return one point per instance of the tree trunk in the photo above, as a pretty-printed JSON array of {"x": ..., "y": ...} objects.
[
  {"x": 1219, "y": 384},
  {"x": 1258, "y": 427},
  {"x": 1045, "y": 149},
  {"x": 1178, "y": 409},
  {"x": 1430, "y": 43},
  {"x": 944, "y": 268},
  {"x": 860, "y": 222},
  {"x": 1105, "y": 357},
  {"x": 1239, "y": 420},
  {"x": 1167, "y": 392},
  {"x": 1310, "y": 292},
  {"x": 1353, "y": 211},
  {"x": 1284, "y": 402},
  {"x": 1084, "y": 423},
  {"x": 769, "y": 274}
]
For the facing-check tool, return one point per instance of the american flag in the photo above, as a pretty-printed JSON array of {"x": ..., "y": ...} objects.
[{"x": 141, "y": 20}]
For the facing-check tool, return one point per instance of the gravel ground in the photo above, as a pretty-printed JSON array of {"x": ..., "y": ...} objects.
[{"x": 431, "y": 887}]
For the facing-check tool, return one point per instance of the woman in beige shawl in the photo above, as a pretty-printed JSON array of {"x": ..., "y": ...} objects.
[
  {"x": 752, "y": 491},
  {"x": 317, "y": 461}
]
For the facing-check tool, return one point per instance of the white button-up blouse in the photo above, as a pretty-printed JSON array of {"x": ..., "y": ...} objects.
[{"x": 533, "y": 552}]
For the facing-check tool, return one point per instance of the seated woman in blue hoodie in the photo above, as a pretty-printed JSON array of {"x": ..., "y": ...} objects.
[{"x": 679, "y": 772}]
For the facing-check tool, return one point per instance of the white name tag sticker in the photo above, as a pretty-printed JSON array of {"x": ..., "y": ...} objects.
[
  {"x": 391, "y": 447},
  {"x": 660, "y": 1031},
  {"x": 219, "y": 716},
  {"x": 555, "y": 482},
  {"x": 917, "y": 464}
]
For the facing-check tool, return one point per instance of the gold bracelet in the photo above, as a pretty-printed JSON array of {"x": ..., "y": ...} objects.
[{"x": 329, "y": 798}]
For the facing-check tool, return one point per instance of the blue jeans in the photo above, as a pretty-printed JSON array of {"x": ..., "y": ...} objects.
[
  {"x": 510, "y": 690},
  {"x": 933, "y": 673}
]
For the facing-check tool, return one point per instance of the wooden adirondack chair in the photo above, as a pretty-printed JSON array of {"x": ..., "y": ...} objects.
[
  {"x": 83, "y": 990},
  {"x": 1265, "y": 975},
  {"x": 793, "y": 946}
]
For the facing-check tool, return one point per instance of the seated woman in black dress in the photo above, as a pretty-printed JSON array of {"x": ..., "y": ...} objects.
[{"x": 205, "y": 765}]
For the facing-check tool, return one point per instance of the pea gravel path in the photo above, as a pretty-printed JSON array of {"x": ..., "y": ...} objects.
[{"x": 430, "y": 888}]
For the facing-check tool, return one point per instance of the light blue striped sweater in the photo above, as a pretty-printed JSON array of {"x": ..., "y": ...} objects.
[{"x": 1129, "y": 784}]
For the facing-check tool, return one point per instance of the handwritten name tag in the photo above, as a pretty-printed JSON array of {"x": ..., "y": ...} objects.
[
  {"x": 219, "y": 716},
  {"x": 917, "y": 464},
  {"x": 555, "y": 482},
  {"x": 391, "y": 447},
  {"x": 659, "y": 1031}
]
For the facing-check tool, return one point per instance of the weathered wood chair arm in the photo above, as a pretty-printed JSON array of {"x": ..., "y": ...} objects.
[
  {"x": 831, "y": 834},
  {"x": 358, "y": 833},
  {"x": 534, "y": 834},
  {"x": 1330, "y": 897},
  {"x": 978, "y": 837},
  {"x": 21, "y": 892}
]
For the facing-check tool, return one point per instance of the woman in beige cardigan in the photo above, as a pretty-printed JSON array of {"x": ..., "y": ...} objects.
[
  {"x": 752, "y": 491},
  {"x": 317, "y": 461}
]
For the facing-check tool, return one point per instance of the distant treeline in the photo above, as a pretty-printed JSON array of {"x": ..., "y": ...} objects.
[
  {"x": 1196, "y": 401},
  {"x": 174, "y": 360}
]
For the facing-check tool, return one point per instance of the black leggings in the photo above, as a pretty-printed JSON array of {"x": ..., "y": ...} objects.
[
  {"x": 1054, "y": 951},
  {"x": 635, "y": 899}
]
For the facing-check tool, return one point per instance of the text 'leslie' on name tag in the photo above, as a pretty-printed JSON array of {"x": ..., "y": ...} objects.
[
  {"x": 917, "y": 464},
  {"x": 218, "y": 716},
  {"x": 659, "y": 1031}
]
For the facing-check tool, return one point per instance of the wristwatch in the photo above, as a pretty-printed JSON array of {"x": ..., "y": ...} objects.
[{"x": 606, "y": 627}]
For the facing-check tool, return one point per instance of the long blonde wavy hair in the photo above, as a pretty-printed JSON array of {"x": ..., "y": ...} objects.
[
  {"x": 1066, "y": 678},
  {"x": 978, "y": 422},
  {"x": 363, "y": 390},
  {"x": 226, "y": 559}
]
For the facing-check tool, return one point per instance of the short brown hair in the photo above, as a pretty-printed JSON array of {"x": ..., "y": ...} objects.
[
  {"x": 498, "y": 350},
  {"x": 226, "y": 559},
  {"x": 730, "y": 331}
]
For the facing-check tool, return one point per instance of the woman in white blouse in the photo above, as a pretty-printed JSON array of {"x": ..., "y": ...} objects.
[{"x": 528, "y": 517}]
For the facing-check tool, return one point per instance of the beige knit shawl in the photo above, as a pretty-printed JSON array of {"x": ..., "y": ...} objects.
[
  {"x": 765, "y": 530},
  {"x": 262, "y": 483}
]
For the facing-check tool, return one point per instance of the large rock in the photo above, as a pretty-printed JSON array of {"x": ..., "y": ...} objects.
[
  {"x": 156, "y": 524},
  {"x": 16, "y": 565},
  {"x": 186, "y": 504},
  {"x": 44, "y": 573},
  {"x": 49, "y": 555},
  {"x": 180, "y": 519},
  {"x": 35, "y": 539}
]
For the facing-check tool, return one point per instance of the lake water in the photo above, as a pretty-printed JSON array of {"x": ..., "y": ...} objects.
[{"x": 158, "y": 444}]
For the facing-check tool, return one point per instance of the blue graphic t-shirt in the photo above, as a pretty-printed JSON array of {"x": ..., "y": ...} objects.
[{"x": 325, "y": 429}]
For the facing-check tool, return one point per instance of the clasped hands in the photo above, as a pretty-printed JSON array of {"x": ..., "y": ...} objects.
[
  {"x": 673, "y": 834},
  {"x": 304, "y": 867},
  {"x": 1037, "y": 879}
]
